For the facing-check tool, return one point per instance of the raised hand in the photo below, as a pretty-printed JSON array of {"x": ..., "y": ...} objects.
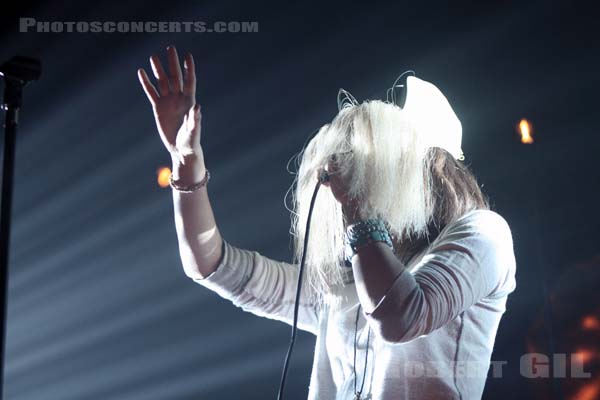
[{"x": 174, "y": 104}]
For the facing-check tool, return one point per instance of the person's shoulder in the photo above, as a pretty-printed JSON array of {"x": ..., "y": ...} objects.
[
  {"x": 490, "y": 241},
  {"x": 483, "y": 218},
  {"x": 483, "y": 223}
]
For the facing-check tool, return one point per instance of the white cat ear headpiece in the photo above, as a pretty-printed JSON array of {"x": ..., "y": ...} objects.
[{"x": 427, "y": 108}]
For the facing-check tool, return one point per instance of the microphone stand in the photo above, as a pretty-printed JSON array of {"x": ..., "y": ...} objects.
[{"x": 17, "y": 72}]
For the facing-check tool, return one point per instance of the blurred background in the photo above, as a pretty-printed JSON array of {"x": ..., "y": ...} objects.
[{"x": 99, "y": 306}]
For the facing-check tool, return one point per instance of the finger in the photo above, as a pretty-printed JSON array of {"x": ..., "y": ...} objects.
[
  {"x": 189, "y": 83},
  {"x": 148, "y": 86},
  {"x": 186, "y": 120},
  {"x": 175, "y": 78},
  {"x": 161, "y": 76},
  {"x": 194, "y": 125},
  {"x": 194, "y": 118},
  {"x": 190, "y": 118}
]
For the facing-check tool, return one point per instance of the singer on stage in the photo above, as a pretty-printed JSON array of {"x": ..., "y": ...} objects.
[{"x": 407, "y": 268}]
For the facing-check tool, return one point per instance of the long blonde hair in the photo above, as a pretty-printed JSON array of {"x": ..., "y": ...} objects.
[{"x": 416, "y": 190}]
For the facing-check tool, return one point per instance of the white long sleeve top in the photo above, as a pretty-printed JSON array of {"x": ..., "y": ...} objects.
[{"x": 440, "y": 315}]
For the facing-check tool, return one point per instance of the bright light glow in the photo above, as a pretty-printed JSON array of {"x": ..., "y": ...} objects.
[
  {"x": 585, "y": 355},
  {"x": 163, "y": 173},
  {"x": 525, "y": 130},
  {"x": 589, "y": 391},
  {"x": 590, "y": 323}
]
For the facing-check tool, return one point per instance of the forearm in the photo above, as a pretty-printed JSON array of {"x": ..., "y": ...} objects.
[
  {"x": 375, "y": 268},
  {"x": 395, "y": 306},
  {"x": 199, "y": 238}
]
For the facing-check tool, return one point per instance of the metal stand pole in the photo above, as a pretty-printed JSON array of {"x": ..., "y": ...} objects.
[{"x": 16, "y": 72}]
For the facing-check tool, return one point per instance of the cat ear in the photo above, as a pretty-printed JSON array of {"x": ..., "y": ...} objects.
[
  {"x": 397, "y": 93},
  {"x": 345, "y": 99}
]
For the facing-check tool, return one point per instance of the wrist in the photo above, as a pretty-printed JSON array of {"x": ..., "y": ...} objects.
[
  {"x": 364, "y": 232},
  {"x": 188, "y": 156},
  {"x": 188, "y": 169}
]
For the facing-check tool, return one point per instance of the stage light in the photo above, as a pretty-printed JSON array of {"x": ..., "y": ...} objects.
[
  {"x": 590, "y": 323},
  {"x": 585, "y": 355},
  {"x": 163, "y": 175},
  {"x": 525, "y": 129},
  {"x": 589, "y": 391}
]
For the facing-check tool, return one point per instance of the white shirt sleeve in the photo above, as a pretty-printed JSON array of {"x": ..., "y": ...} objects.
[
  {"x": 472, "y": 259},
  {"x": 262, "y": 286}
]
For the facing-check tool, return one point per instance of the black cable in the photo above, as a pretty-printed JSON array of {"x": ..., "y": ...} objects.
[
  {"x": 364, "y": 377},
  {"x": 322, "y": 179}
]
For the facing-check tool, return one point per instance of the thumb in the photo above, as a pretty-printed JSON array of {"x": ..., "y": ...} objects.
[{"x": 193, "y": 121}]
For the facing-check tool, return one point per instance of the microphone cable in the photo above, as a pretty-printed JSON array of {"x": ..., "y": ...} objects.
[{"x": 323, "y": 177}]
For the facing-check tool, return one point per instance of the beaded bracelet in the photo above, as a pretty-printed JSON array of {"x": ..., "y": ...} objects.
[
  {"x": 365, "y": 232},
  {"x": 190, "y": 188}
]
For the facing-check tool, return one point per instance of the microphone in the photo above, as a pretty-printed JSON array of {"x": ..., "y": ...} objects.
[{"x": 323, "y": 176}]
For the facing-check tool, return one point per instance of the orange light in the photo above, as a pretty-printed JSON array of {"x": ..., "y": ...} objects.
[
  {"x": 584, "y": 356},
  {"x": 590, "y": 323},
  {"x": 525, "y": 130},
  {"x": 163, "y": 175},
  {"x": 588, "y": 391}
]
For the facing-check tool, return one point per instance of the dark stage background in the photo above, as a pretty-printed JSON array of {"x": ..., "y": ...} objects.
[{"x": 99, "y": 306}]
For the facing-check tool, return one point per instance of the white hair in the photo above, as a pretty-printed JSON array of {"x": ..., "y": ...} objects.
[{"x": 381, "y": 156}]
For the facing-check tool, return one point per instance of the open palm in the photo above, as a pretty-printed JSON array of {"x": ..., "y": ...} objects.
[{"x": 174, "y": 103}]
